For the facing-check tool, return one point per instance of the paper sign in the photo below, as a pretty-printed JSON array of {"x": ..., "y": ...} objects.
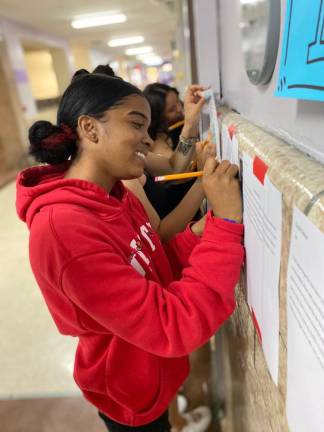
[
  {"x": 230, "y": 148},
  {"x": 213, "y": 121},
  {"x": 262, "y": 220},
  {"x": 305, "y": 327}
]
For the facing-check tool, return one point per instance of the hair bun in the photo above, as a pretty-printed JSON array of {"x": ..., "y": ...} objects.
[
  {"x": 104, "y": 70},
  {"x": 39, "y": 131},
  {"x": 79, "y": 74},
  {"x": 50, "y": 143}
]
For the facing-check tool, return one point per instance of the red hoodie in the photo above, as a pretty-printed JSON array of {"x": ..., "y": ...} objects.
[{"x": 107, "y": 279}]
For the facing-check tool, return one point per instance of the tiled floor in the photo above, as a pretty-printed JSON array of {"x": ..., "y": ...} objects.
[
  {"x": 49, "y": 415},
  {"x": 35, "y": 359}
]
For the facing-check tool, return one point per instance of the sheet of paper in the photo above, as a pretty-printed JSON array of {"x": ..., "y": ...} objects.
[
  {"x": 305, "y": 332},
  {"x": 263, "y": 224},
  {"x": 230, "y": 148},
  {"x": 213, "y": 121},
  {"x": 204, "y": 123}
]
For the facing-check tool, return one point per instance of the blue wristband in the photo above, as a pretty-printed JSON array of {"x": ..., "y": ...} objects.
[{"x": 229, "y": 220}]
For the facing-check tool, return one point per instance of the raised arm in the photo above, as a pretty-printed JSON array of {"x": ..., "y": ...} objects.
[{"x": 183, "y": 154}]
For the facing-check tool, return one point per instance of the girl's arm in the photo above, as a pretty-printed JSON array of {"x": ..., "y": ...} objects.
[
  {"x": 178, "y": 162},
  {"x": 171, "y": 318},
  {"x": 161, "y": 147},
  {"x": 183, "y": 154},
  {"x": 177, "y": 220}
]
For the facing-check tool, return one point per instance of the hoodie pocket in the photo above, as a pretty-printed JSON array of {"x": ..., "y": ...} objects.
[{"x": 132, "y": 377}]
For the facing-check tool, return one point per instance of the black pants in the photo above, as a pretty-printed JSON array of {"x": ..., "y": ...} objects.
[{"x": 159, "y": 425}]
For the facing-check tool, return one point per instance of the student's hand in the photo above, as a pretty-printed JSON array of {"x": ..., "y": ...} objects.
[
  {"x": 193, "y": 103},
  {"x": 204, "y": 150},
  {"x": 222, "y": 189}
]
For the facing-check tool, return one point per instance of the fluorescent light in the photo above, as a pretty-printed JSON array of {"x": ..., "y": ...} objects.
[
  {"x": 251, "y": 2},
  {"x": 153, "y": 61},
  {"x": 125, "y": 41},
  {"x": 150, "y": 59},
  {"x": 145, "y": 56},
  {"x": 139, "y": 50},
  {"x": 95, "y": 20}
]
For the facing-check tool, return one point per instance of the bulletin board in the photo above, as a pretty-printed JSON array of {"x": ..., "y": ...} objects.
[{"x": 253, "y": 401}]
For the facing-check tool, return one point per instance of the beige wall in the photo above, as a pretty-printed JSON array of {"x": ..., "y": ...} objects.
[
  {"x": 61, "y": 68},
  {"x": 41, "y": 74},
  {"x": 13, "y": 129},
  {"x": 81, "y": 56}
]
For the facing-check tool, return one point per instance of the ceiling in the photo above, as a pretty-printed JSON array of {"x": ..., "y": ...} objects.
[{"x": 153, "y": 19}]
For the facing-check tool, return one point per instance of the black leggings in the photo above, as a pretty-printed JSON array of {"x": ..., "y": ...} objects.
[{"x": 159, "y": 425}]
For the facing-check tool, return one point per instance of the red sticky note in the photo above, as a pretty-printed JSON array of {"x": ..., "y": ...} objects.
[
  {"x": 259, "y": 169},
  {"x": 232, "y": 130},
  {"x": 256, "y": 325}
]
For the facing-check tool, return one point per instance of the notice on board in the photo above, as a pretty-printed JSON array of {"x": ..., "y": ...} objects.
[
  {"x": 213, "y": 122},
  {"x": 263, "y": 226},
  {"x": 305, "y": 327},
  {"x": 230, "y": 146}
]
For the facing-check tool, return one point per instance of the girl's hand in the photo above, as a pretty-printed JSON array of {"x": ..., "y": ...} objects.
[
  {"x": 222, "y": 189},
  {"x": 204, "y": 150},
  {"x": 193, "y": 103}
]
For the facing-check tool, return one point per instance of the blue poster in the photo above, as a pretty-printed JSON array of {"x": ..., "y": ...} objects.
[{"x": 302, "y": 59}]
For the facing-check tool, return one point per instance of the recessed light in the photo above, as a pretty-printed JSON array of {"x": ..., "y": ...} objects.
[
  {"x": 139, "y": 50},
  {"x": 95, "y": 20},
  {"x": 151, "y": 60},
  {"x": 125, "y": 41}
]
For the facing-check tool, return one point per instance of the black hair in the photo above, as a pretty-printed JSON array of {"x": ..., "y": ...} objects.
[
  {"x": 105, "y": 70},
  {"x": 88, "y": 94},
  {"x": 156, "y": 94}
]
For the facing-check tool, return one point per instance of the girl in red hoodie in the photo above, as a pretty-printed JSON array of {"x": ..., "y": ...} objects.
[{"x": 137, "y": 306}]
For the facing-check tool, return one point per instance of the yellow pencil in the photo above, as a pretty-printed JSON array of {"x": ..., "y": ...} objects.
[
  {"x": 179, "y": 176},
  {"x": 176, "y": 125}
]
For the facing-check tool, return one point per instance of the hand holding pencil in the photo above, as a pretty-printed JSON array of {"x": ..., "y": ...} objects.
[
  {"x": 222, "y": 189},
  {"x": 204, "y": 149}
]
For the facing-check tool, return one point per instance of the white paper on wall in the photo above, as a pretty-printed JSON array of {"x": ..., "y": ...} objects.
[
  {"x": 230, "y": 147},
  {"x": 263, "y": 225},
  {"x": 305, "y": 327},
  {"x": 213, "y": 121}
]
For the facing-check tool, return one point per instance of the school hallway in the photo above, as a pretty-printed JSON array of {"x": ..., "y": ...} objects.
[
  {"x": 255, "y": 69},
  {"x": 37, "y": 390}
]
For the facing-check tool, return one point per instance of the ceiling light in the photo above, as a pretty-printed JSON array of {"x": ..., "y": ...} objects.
[
  {"x": 95, "y": 20},
  {"x": 144, "y": 56},
  {"x": 250, "y": 2},
  {"x": 150, "y": 59},
  {"x": 125, "y": 41},
  {"x": 139, "y": 50},
  {"x": 153, "y": 61}
]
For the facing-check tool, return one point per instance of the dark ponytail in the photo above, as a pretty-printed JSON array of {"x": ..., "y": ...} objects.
[
  {"x": 51, "y": 144},
  {"x": 88, "y": 94}
]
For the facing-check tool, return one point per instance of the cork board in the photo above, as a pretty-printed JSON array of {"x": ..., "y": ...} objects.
[{"x": 252, "y": 401}]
